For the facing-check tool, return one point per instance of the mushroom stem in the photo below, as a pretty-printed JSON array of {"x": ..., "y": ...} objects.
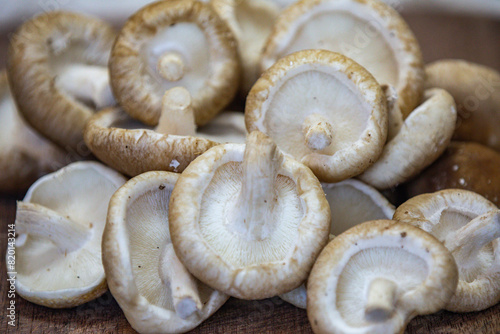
[
  {"x": 182, "y": 285},
  {"x": 317, "y": 131},
  {"x": 261, "y": 161},
  {"x": 177, "y": 115},
  {"x": 394, "y": 113},
  {"x": 68, "y": 235},
  {"x": 171, "y": 66},
  {"x": 380, "y": 300},
  {"x": 466, "y": 243},
  {"x": 87, "y": 83}
]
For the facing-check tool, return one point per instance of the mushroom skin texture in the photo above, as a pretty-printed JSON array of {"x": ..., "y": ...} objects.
[
  {"x": 476, "y": 90},
  {"x": 469, "y": 226},
  {"x": 376, "y": 277},
  {"x": 423, "y": 137},
  {"x": 463, "y": 165},
  {"x": 369, "y": 31},
  {"x": 261, "y": 238},
  {"x": 59, "y": 226},
  {"x": 337, "y": 126},
  {"x": 57, "y": 68},
  {"x": 174, "y": 43},
  {"x": 152, "y": 287},
  {"x": 25, "y": 155}
]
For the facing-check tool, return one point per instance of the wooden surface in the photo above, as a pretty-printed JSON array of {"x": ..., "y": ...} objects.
[{"x": 440, "y": 37}]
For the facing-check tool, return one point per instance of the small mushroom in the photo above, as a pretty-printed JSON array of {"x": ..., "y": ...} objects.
[
  {"x": 469, "y": 226},
  {"x": 352, "y": 202},
  {"x": 247, "y": 220},
  {"x": 324, "y": 110},
  {"x": 59, "y": 226},
  {"x": 152, "y": 287},
  {"x": 25, "y": 156},
  {"x": 169, "y": 44},
  {"x": 476, "y": 90},
  {"x": 57, "y": 69},
  {"x": 134, "y": 148},
  {"x": 423, "y": 137},
  {"x": 369, "y": 32},
  {"x": 376, "y": 277}
]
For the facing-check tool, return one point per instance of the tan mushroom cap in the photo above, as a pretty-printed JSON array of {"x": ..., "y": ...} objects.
[
  {"x": 152, "y": 287},
  {"x": 248, "y": 221},
  {"x": 423, "y": 137},
  {"x": 469, "y": 226},
  {"x": 464, "y": 165},
  {"x": 377, "y": 276},
  {"x": 323, "y": 109},
  {"x": 57, "y": 68},
  {"x": 476, "y": 90},
  {"x": 24, "y": 154},
  {"x": 352, "y": 202},
  {"x": 59, "y": 226},
  {"x": 368, "y": 31},
  {"x": 169, "y": 44}
]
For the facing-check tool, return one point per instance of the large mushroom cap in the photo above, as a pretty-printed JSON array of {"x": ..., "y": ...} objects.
[
  {"x": 469, "y": 226},
  {"x": 323, "y": 109},
  {"x": 247, "y": 220},
  {"x": 169, "y": 44},
  {"x": 369, "y": 31},
  {"x": 377, "y": 276},
  {"x": 59, "y": 226},
  {"x": 476, "y": 90},
  {"x": 24, "y": 154},
  {"x": 58, "y": 73},
  {"x": 152, "y": 287}
]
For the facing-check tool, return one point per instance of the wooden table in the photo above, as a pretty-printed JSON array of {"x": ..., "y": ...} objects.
[{"x": 474, "y": 39}]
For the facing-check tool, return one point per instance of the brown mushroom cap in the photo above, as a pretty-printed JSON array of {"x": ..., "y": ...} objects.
[
  {"x": 469, "y": 226},
  {"x": 377, "y": 276},
  {"x": 24, "y": 155},
  {"x": 50, "y": 58},
  {"x": 463, "y": 165},
  {"x": 248, "y": 221},
  {"x": 476, "y": 90},
  {"x": 174, "y": 43},
  {"x": 152, "y": 287},
  {"x": 368, "y": 31},
  {"x": 323, "y": 109}
]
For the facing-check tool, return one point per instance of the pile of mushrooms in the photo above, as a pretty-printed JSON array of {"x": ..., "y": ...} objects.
[{"x": 281, "y": 200}]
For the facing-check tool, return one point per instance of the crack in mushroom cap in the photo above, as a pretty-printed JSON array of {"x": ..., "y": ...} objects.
[
  {"x": 323, "y": 109},
  {"x": 50, "y": 59},
  {"x": 444, "y": 214},
  {"x": 418, "y": 272},
  {"x": 57, "y": 267},
  {"x": 134, "y": 148},
  {"x": 251, "y": 228},
  {"x": 368, "y": 31},
  {"x": 25, "y": 155},
  {"x": 186, "y": 39},
  {"x": 134, "y": 244}
]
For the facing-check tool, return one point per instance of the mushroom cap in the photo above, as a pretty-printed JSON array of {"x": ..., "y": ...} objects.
[
  {"x": 136, "y": 233},
  {"x": 464, "y": 165},
  {"x": 476, "y": 90},
  {"x": 328, "y": 84},
  {"x": 368, "y": 31},
  {"x": 200, "y": 43},
  {"x": 24, "y": 154},
  {"x": 423, "y": 270},
  {"x": 423, "y": 137},
  {"x": 40, "y": 52},
  {"x": 45, "y": 274},
  {"x": 444, "y": 214},
  {"x": 205, "y": 216},
  {"x": 134, "y": 148}
]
